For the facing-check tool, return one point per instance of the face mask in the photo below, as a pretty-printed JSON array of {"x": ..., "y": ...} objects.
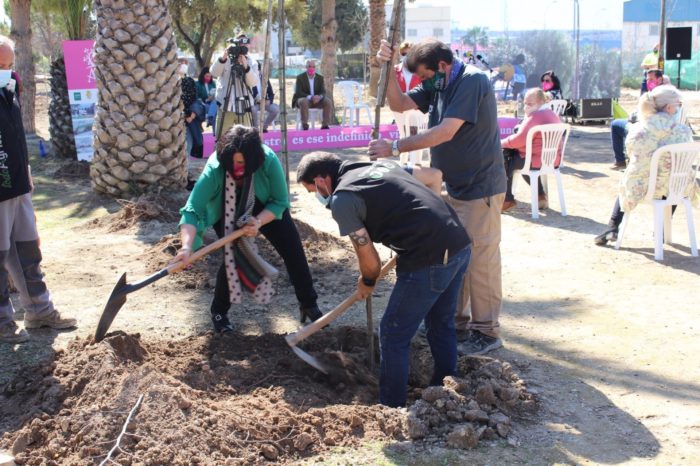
[
  {"x": 324, "y": 200},
  {"x": 5, "y": 77},
  {"x": 311, "y": 72},
  {"x": 437, "y": 83},
  {"x": 238, "y": 172},
  {"x": 547, "y": 85},
  {"x": 182, "y": 69},
  {"x": 207, "y": 79},
  {"x": 651, "y": 85}
]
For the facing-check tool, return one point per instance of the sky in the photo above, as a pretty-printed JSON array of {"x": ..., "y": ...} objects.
[{"x": 532, "y": 14}]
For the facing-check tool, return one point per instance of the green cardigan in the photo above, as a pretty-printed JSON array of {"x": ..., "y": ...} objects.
[{"x": 205, "y": 204}]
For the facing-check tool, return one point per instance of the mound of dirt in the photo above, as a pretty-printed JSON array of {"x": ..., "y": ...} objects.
[
  {"x": 233, "y": 399},
  {"x": 160, "y": 206},
  {"x": 73, "y": 169}
]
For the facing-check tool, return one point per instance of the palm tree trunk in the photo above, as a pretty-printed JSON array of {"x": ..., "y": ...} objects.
[
  {"x": 377, "y": 32},
  {"x": 21, "y": 33},
  {"x": 329, "y": 26},
  {"x": 139, "y": 126}
]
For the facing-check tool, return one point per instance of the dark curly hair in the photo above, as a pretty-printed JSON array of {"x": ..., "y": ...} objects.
[
  {"x": 429, "y": 53},
  {"x": 245, "y": 140},
  {"x": 318, "y": 164}
]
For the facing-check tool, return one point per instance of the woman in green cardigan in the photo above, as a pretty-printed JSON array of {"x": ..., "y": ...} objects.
[{"x": 243, "y": 186}]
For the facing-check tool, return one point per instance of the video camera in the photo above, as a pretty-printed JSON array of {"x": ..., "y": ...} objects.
[{"x": 236, "y": 48}]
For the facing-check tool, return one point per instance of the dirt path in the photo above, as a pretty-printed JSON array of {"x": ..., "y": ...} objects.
[{"x": 606, "y": 339}]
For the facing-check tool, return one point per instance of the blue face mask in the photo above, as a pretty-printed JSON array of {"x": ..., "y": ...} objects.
[
  {"x": 5, "y": 77},
  {"x": 325, "y": 200}
]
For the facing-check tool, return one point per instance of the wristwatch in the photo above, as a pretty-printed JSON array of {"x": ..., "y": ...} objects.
[
  {"x": 395, "y": 148},
  {"x": 369, "y": 281}
]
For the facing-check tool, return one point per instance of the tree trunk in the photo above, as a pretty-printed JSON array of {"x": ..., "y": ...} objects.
[
  {"x": 60, "y": 122},
  {"x": 139, "y": 126},
  {"x": 377, "y": 32},
  {"x": 329, "y": 27},
  {"x": 21, "y": 33}
]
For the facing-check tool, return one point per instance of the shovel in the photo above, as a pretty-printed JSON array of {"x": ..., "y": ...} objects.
[
  {"x": 121, "y": 289},
  {"x": 294, "y": 338}
]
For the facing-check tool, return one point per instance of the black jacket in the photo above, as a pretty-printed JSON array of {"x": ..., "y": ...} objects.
[{"x": 14, "y": 172}]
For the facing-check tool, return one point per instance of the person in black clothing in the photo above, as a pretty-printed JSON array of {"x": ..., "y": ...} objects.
[
  {"x": 380, "y": 202},
  {"x": 195, "y": 113},
  {"x": 19, "y": 239},
  {"x": 550, "y": 83}
]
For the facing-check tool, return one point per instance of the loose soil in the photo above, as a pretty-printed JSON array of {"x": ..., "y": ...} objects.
[{"x": 210, "y": 399}]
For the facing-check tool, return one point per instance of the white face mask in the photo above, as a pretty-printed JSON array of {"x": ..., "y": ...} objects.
[
  {"x": 5, "y": 78},
  {"x": 183, "y": 69},
  {"x": 323, "y": 199}
]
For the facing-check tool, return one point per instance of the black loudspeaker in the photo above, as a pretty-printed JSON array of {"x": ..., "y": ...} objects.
[
  {"x": 679, "y": 42},
  {"x": 595, "y": 109}
]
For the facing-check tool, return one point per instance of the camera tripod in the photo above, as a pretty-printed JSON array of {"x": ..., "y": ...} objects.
[{"x": 237, "y": 89}]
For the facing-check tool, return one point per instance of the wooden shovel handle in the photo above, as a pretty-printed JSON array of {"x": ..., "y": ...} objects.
[
  {"x": 313, "y": 327},
  {"x": 199, "y": 253}
]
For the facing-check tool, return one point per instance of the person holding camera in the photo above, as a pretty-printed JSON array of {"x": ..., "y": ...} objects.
[
  {"x": 310, "y": 92},
  {"x": 235, "y": 78}
]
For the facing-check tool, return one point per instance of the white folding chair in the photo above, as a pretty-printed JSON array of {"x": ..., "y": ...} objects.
[
  {"x": 398, "y": 118},
  {"x": 685, "y": 164},
  {"x": 554, "y": 138},
  {"x": 315, "y": 115},
  {"x": 414, "y": 122},
  {"x": 558, "y": 106},
  {"x": 351, "y": 93}
]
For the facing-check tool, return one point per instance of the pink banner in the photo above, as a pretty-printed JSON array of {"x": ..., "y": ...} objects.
[
  {"x": 80, "y": 69},
  {"x": 338, "y": 137},
  {"x": 506, "y": 124}
]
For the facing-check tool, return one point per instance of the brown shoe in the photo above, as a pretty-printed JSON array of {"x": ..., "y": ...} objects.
[
  {"x": 10, "y": 333},
  {"x": 53, "y": 320},
  {"x": 508, "y": 205},
  {"x": 619, "y": 166},
  {"x": 542, "y": 202}
]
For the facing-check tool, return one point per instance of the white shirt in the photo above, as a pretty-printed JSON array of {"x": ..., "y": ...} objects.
[
  {"x": 407, "y": 76},
  {"x": 311, "y": 86}
]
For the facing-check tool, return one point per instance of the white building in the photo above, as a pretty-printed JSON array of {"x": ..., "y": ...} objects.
[{"x": 425, "y": 21}]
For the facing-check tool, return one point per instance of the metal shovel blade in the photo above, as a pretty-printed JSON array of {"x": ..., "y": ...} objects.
[
  {"x": 114, "y": 303},
  {"x": 307, "y": 358}
]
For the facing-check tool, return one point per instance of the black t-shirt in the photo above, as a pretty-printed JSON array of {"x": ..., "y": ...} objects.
[
  {"x": 472, "y": 162},
  {"x": 14, "y": 171},
  {"x": 397, "y": 211}
]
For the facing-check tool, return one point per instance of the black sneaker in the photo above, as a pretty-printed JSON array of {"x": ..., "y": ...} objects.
[
  {"x": 477, "y": 343},
  {"x": 313, "y": 313},
  {"x": 221, "y": 323},
  {"x": 608, "y": 235}
]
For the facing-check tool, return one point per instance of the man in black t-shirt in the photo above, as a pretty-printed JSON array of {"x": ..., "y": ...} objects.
[
  {"x": 380, "y": 202},
  {"x": 464, "y": 141},
  {"x": 19, "y": 239}
]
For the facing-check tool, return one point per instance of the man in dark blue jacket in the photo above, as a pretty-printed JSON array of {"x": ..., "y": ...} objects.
[{"x": 19, "y": 238}]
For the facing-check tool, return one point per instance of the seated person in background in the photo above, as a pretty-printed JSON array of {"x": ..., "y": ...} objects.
[
  {"x": 310, "y": 92},
  {"x": 549, "y": 82},
  {"x": 206, "y": 92},
  {"x": 537, "y": 112},
  {"x": 271, "y": 109},
  {"x": 406, "y": 79},
  {"x": 657, "y": 126},
  {"x": 619, "y": 127}
]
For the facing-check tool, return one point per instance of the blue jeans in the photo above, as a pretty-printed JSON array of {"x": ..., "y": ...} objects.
[
  {"x": 618, "y": 133},
  {"x": 430, "y": 295},
  {"x": 212, "y": 108},
  {"x": 194, "y": 138}
]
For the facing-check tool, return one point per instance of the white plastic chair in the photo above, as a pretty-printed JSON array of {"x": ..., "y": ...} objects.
[
  {"x": 554, "y": 136},
  {"x": 351, "y": 93},
  {"x": 315, "y": 115},
  {"x": 558, "y": 106},
  {"x": 414, "y": 122},
  {"x": 685, "y": 164}
]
